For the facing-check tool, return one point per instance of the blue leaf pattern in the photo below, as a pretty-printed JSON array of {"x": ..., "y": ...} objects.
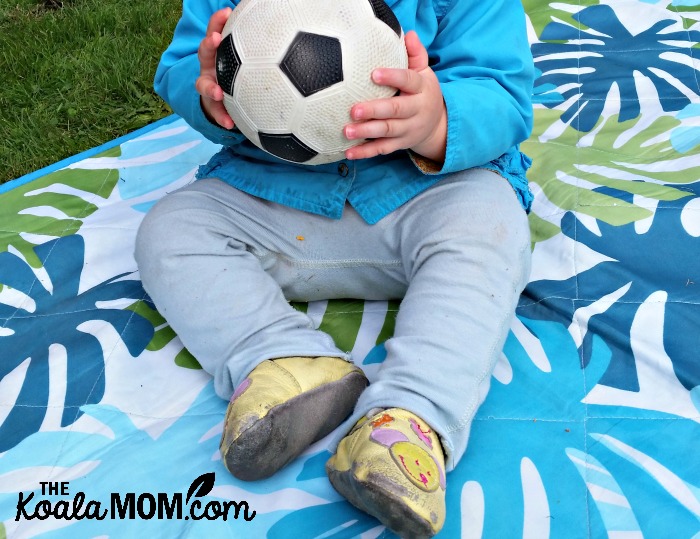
[
  {"x": 55, "y": 320},
  {"x": 647, "y": 263},
  {"x": 602, "y": 52}
]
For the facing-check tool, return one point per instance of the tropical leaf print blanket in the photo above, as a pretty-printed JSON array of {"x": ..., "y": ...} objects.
[{"x": 109, "y": 428}]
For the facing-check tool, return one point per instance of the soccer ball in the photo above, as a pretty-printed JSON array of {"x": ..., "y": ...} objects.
[{"x": 292, "y": 69}]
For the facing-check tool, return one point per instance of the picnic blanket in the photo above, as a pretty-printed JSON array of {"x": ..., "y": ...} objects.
[{"x": 109, "y": 427}]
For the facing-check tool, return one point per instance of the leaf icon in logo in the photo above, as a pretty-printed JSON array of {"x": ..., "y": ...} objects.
[{"x": 203, "y": 485}]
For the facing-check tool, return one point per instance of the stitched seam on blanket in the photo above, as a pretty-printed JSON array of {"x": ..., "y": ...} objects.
[
  {"x": 102, "y": 372},
  {"x": 616, "y": 302}
]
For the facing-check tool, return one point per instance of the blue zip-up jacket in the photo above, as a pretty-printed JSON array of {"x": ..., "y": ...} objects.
[{"x": 480, "y": 54}]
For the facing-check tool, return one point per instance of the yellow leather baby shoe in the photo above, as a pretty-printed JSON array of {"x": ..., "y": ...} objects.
[
  {"x": 284, "y": 406},
  {"x": 392, "y": 467}
]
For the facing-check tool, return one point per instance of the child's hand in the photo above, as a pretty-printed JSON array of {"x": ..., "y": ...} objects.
[
  {"x": 415, "y": 119},
  {"x": 212, "y": 95}
]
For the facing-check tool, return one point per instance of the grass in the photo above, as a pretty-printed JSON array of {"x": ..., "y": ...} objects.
[{"x": 77, "y": 74}]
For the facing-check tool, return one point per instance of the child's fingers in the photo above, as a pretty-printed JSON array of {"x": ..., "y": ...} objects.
[
  {"x": 378, "y": 129},
  {"x": 218, "y": 20},
  {"x": 372, "y": 148},
  {"x": 207, "y": 51},
  {"x": 406, "y": 80},
  {"x": 217, "y": 113},
  {"x": 393, "y": 107},
  {"x": 207, "y": 87},
  {"x": 417, "y": 55},
  {"x": 208, "y": 46},
  {"x": 220, "y": 115}
]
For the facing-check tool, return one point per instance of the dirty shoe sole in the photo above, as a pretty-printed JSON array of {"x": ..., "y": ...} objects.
[
  {"x": 290, "y": 427},
  {"x": 369, "y": 496}
]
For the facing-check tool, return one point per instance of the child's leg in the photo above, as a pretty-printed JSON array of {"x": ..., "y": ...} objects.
[
  {"x": 196, "y": 251},
  {"x": 465, "y": 247},
  {"x": 205, "y": 255}
]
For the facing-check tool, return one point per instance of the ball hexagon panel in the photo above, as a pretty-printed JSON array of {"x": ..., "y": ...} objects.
[
  {"x": 265, "y": 97},
  {"x": 321, "y": 126},
  {"x": 332, "y": 18},
  {"x": 368, "y": 49},
  {"x": 313, "y": 62},
  {"x": 262, "y": 30}
]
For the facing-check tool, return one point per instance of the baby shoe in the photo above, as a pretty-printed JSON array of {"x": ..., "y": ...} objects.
[
  {"x": 392, "y": 467},
  {"x": 284, "y": 406}
]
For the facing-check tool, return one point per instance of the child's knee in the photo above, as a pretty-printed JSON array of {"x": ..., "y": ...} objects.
[{"x": 158, "y": 236}]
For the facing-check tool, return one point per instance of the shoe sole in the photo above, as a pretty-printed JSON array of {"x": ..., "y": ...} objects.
[
  {"x": 289, "y": 428},
  {"x": 388, "y": 508}
]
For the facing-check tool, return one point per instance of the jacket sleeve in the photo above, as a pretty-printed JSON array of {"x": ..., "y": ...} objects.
[
  {"x": 179, "y": 68},
  {"x": 482, "y": 59}
]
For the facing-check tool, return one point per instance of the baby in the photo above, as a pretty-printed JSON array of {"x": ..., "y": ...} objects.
[{"x": 431, "y": 208}]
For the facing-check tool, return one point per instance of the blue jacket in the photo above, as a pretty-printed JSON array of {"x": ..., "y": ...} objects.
[{"x": 480, "y": 54}]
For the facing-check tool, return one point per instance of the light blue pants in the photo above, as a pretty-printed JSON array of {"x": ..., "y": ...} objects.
[{"x": 221, "y": 265}]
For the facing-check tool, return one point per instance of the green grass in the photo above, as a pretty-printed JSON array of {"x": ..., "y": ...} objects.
[{"x": 77, "y": 74}]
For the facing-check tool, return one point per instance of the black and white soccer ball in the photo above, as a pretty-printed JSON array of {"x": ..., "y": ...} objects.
[{"x": 292, "y": 69}]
